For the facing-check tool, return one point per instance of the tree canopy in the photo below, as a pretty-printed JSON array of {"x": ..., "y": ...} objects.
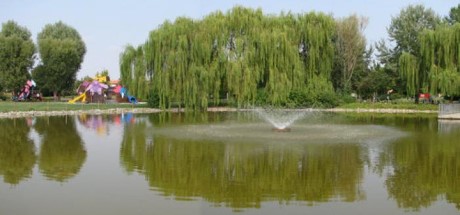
[
  {"x": 61, "y": 51},
  {"x": 406, "y": 26},
  {"x": 454, "y": 15},
  {"x": 16, "y": 56},
  {"x": 245, "y": 58},
  {"x": 350, "y": 47},
  {"x": 235, "y": 55}
]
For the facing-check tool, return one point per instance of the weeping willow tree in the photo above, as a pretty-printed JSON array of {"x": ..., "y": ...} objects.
[
  {"x": 437, "y": 70},
  {"x": 409, "y": 70},
  {"x": 233, "y": 55},
  {"x": 441, "y": 57},
  {"x": 133, "y": 71}
]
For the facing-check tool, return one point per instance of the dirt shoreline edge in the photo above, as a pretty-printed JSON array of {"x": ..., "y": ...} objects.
[{"x": 20, "y": 114}]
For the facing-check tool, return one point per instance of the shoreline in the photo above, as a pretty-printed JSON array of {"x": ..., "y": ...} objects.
[{"x": 21, "y": 114}]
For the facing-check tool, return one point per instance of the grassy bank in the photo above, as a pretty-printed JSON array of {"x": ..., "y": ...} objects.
[
  {"x": 63, "y": 106},
  {"x": 382, "y": 105},
  {"x": 60, "y": 106}
]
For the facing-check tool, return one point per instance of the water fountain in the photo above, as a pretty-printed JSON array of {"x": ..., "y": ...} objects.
[
  {"x": 275, "y": 126},
  {"x": 281, "y": 120}
]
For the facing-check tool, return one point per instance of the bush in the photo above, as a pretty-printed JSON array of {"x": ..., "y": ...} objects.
[
  {"x": 299, "y": 99},
  {"x": 327, "y": 99},
  {"x": 346, "y": 98},
  {"x": 261, "y": 97},
  {"x": 153, "y": 100}
]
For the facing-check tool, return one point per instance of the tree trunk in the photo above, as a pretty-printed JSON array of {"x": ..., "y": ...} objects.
[{"x": 56, "y": 96}]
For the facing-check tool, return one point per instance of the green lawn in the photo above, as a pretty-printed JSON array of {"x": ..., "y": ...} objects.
[
  {"x": 60, "y": 106},
  {"x": 8, "y": 106},
  {"x": 384, "y": 105}
]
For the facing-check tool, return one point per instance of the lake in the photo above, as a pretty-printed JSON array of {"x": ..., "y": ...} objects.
[{"x": 229, "y": 163}]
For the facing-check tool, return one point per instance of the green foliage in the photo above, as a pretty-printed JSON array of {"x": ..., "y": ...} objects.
[
  {"x": 437, "y": 68},
  {"x": 299, "y": 99},
  {"x": 408, "y": 105},
  {"x": 153, "y": 100},
  {"x": 61, "y": 51},
  {"x": 350, "y": 47},
  {"x": 454, "y": 15},
  {"x": 328, "y": 99},
  {"x": 377, "y": 81},
  {"x": 104, "y": 72},
  {"x": 441, "y": 57},
  {"x": 17, "y": 56},
  {"x": 406, "y": 26},
  {"x": 62, "y": 106},
  {"x": 409, "y": 69},
  {"x": 133, "y": 71},
  {"x": 242, "y": 53}
]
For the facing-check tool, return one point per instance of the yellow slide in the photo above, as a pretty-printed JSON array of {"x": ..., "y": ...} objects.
[{"x": 81, "y": 96}]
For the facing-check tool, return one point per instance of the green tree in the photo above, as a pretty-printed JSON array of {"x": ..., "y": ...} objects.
[
  {"x": 133, "y": 71},
  {"x": 234, "y": 55},
  {"x": 440, "y": 57},
  {"x": 16, "y": 56},
  {"x": 376, "y": 82},
  {"x": 454, "y": 15},
  {"x": 437, "y": 68},
  {"x": 61, "y": 50},
  {"x": 350, "y": 48},
  {"x": 104, "y": 72},
  {"x": 405, "y": 30},
  {"x": 406, "y": 26}
]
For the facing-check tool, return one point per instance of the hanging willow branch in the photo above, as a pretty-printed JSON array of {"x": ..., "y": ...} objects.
[
  {"x": 409, "y": 70},
  {"x": 192, "y": 63},
  {"x": 440, "y": 60}
]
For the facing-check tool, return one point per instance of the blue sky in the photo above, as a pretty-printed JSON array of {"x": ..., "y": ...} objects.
[{"x": 107, "y": 26}]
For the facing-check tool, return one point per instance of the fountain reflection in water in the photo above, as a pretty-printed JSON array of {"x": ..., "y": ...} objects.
[{"x": 281, "y": 120}]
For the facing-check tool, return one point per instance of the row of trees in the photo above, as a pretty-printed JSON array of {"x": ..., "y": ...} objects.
[
  {"x": 60, "y": 54},
  {"x": 250, "y": 58},
  {"x": 427, "y": 51},
  {"x": 290, "y": 59},
  {"x": 247, "y": 57}
]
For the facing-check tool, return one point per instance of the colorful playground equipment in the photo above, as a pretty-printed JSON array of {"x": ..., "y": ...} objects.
[
  {"x": 98, "y": 89},
  {"x": 124, "y": 92},
  {"x": 27, "y": 92},
  {"x": 92, "y": 90}
]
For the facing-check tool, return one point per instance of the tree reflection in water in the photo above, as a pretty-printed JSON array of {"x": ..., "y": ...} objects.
[
  {"x": 243, "y": 175},
  {"x": 62, "y": 153},
  {"x": 426, "y": 167},
  {"x": 17, "y": 150}
]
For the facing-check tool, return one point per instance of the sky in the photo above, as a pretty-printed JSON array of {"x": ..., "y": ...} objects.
[{"x": 107, "y": 26}]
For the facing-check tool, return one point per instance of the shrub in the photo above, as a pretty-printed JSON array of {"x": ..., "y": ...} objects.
[
  {"x": 153, "y": 100},
  {"x": 346, "y": 98},
  {"x": 298, "y": 99},
  {"x": 261, "y": 97},
  {"x": 327, "y": 99}
]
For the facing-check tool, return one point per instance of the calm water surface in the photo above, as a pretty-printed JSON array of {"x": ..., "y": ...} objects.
[{"x": 227, "y": 163}]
